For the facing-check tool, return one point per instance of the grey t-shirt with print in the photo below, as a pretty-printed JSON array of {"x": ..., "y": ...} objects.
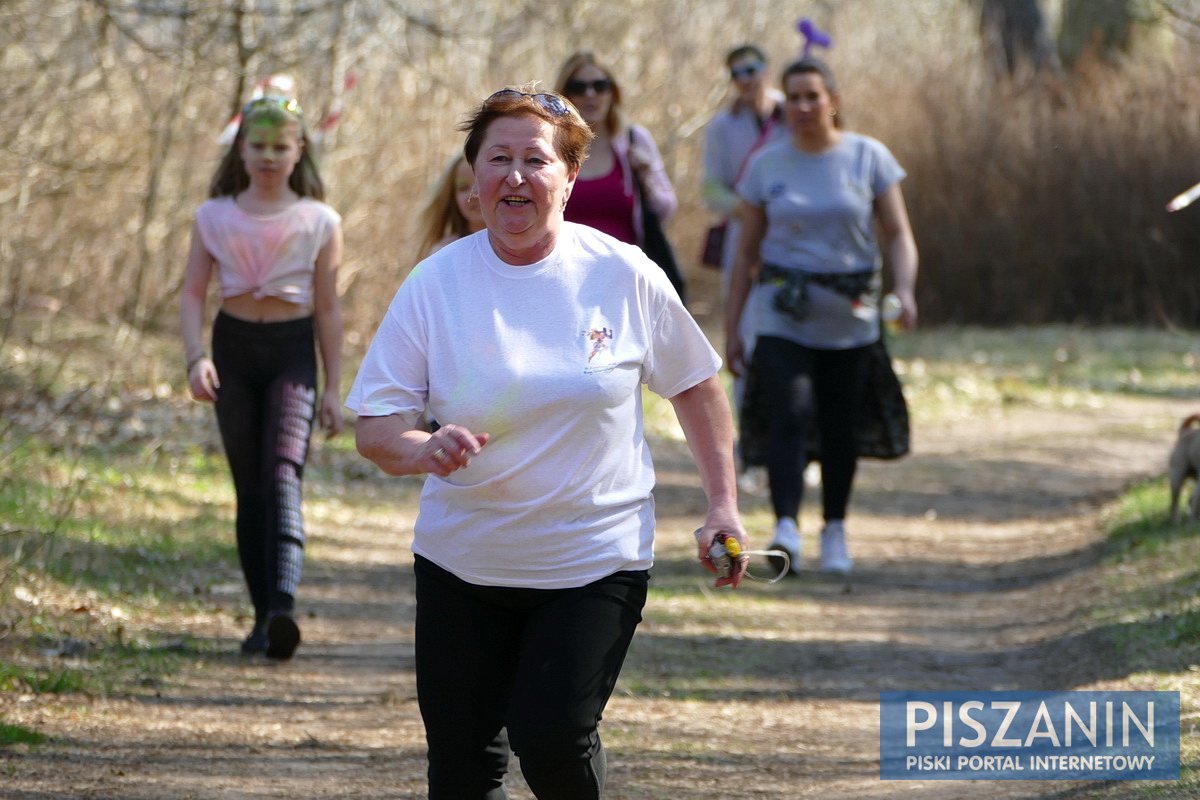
[{"x": 820, "y": 218}]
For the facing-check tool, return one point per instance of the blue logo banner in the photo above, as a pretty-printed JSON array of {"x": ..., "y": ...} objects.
[{"x": 1029, "y": 736}]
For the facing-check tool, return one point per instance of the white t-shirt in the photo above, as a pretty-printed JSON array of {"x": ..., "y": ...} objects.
[{"x": 549, "y": 359}]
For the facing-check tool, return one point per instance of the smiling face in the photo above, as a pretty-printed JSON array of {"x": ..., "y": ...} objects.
[
  {"x": 270, "y": 151},
  {"x": 809, "y": 106},
  {"x": 523, "y": 186},
  {"x": 596, "y": 99}
]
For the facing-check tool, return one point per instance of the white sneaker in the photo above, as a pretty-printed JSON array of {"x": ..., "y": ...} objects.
[
  {"x": 787, "y": 539},
  {"x": 834, "y": 557},
  {"x": 753, "y": 480}
]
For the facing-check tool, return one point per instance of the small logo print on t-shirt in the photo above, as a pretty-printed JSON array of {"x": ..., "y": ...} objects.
[
  {"x": 599, "y": 353},
  {"x": 859, "y": 188}
]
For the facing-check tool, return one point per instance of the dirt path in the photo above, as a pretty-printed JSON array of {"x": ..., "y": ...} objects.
[{"x": 976, "y": 558}]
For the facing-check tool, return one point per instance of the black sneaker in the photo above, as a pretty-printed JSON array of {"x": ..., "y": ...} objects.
[
  {"x": 256, "y": 643},
  {"x": 283, "y": 636},
  {"x": 786, "y": 540},
  {"x": 780, "y": 563}
]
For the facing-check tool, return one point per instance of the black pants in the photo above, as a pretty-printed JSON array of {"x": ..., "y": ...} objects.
[
  {"x": 795, "y": 379},
  {"x": 265, "y": 407},
  {"x": 530, "y": 667}
]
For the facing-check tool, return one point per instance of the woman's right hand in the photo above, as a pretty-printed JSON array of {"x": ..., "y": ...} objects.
[
  {"x": 451, "y": 448},
  {"x": 203, "y": 381}
]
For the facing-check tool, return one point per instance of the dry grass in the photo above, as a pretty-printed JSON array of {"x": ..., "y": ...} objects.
[{"x": 120, "y": 598}]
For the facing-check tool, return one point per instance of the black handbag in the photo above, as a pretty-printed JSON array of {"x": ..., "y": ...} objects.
[
  {"x": 714, "y": 245},
  {"x": 654, "y": 240}
]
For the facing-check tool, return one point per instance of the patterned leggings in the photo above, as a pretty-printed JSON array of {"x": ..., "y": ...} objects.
[{"x": 265, "y": 408}]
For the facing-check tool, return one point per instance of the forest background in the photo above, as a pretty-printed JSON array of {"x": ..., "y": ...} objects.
[
  {"x": 1037, "y": 188},
  {"x": 991, "y": 559}
]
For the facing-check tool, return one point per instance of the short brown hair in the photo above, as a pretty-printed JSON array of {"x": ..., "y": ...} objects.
[{"x": 571, "y": 134}]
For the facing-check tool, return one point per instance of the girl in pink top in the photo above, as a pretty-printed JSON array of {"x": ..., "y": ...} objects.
[{"x": 275, "y": 247}]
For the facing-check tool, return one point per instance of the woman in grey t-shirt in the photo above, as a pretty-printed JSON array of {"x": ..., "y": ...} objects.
[{"x": 809, "y": 211}]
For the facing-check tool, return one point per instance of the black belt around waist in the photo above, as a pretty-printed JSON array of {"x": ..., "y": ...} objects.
[{"x": 850, "y": 284}]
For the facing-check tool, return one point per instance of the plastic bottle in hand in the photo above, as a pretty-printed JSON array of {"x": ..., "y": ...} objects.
[{"x": 890, "y": 309}]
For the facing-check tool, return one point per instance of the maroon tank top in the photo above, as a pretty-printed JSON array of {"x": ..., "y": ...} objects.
[{"x": 602, "y": 204}]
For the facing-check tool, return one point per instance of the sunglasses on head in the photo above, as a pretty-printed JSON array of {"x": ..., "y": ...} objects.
[
  {"x": 550, "y": 102},
  {"x": 599, "y": 86},
  {"x": 288, "y": 104},
  {"x": 745, "y": 71}
]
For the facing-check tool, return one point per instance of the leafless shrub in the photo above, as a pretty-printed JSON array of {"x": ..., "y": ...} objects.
[{"x": 1027, "y": 207}]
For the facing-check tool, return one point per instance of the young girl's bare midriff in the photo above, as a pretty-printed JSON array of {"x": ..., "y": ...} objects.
[{"x": 267, "y": 309}]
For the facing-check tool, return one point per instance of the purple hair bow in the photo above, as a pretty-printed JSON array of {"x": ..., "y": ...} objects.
[{"x": 813, "y": 36}]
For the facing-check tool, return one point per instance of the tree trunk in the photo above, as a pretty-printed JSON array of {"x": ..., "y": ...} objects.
[{"x": 1016, "y": 40}]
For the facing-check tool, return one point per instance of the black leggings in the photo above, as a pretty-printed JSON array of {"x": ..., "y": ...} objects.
[
  {"x": 794, "y": 379},
  {"x": 265, "y": 407},
  {"x": 534, "y": 667}
]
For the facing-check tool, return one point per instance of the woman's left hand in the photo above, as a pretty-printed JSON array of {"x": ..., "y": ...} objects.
[
  {"x": 908, "y": 309},
  {"x": 735, "y": 356},
  {"x": 640, "y": 160},
  {"x": 704, "y": 540}
]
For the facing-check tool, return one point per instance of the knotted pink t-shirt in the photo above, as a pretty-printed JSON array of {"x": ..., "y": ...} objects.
[{"x": 266, "y": 256}]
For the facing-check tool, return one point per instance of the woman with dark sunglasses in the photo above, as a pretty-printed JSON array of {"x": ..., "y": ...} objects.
[
  {"x": 622, "y": 156},
  {"x": 530, "y": 342}
]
